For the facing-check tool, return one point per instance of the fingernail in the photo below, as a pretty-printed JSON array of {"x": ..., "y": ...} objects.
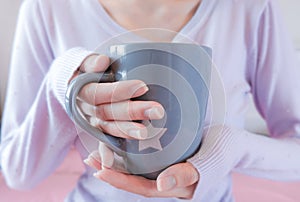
[
  {"x": 97, "y": 174},
  {"x": 101, "y": 60},
  {"x": 93, "y": 155},
  {"x": 166, "y": 183},
  {"x": 101, "y": 122},
  {"x": 87, "y": 162},
  {"x": 137, "y": 134},
  {"x": 154, "y": 113},
  {"x": 139, "y": 89}
]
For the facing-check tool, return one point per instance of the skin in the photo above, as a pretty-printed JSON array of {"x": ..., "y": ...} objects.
[
  {"x": 109, "y": 107},
  {"x": 167, "y": 14}
]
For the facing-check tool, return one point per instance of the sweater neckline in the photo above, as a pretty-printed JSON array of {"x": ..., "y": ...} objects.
[{"x": 197, "y": 19}]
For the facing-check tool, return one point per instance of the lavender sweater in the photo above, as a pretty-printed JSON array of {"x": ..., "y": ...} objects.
[{"x": 250, "y": 49}]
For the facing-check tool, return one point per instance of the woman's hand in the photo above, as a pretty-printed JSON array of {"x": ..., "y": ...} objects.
[
  {"x": 108, "y": 105},
  {"x": 221, "y": 150},
  {"x": 178, "y": 181}
]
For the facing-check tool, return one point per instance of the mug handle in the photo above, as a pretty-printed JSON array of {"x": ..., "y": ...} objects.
[{"x": 72, "y": 110}]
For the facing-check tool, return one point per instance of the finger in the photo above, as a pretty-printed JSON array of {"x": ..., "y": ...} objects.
[
  {"x": 123, "y": 129},
  {"x": 130, "y": 183},
  {"x": 119, "y": 164},
  {"x": 111, "y": 160},
  {"x": 140, "y": 185},
  {"x": 95, "y": 63},
  {"x": 107, "y": 156},
  {"x": 94, "y": 160},
  {"x": 122, "y": 111},
  {"x": 100, "y": 93},
  {"x": 179, "y": 175}
]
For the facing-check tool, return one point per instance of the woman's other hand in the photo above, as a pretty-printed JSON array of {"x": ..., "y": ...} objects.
[{"x": 179, "y": 180}]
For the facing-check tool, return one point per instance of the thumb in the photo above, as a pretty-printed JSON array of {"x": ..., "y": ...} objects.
[
  {"x": 95, "y": 63},
  {"x": 177, "y": 176}
]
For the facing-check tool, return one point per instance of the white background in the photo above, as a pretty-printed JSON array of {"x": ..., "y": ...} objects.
[{"x": 9, "y": 12}]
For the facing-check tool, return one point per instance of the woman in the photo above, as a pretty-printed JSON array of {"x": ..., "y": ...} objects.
[{"x": 250, "y": 49}]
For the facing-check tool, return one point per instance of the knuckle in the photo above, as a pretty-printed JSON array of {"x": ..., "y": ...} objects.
[
  {"x": 102, "y": 112},
  {"x": 114, "y": 92},
  {"x": 190, "y": 175},
  {"x": 133, "y": 113},
  {"x": 114, "y": 129},
  {"x": 88, "y": 62},
  {"x": 88, "y": 93},
  {"x": 103, "y": 93}
]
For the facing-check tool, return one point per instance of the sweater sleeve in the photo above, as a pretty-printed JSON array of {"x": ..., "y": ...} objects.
[
  {"x": 275, "y": 86},
  {"x": 36, "y": 132}
]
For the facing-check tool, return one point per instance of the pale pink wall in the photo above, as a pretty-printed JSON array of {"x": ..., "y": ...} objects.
[
  {"x": 8, "y": 16},
  {"x": 291, "y": 13}
]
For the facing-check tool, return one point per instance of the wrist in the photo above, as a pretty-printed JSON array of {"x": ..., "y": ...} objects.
[
  {"x": 63, "y": 70},
  {"x": 220, "y": 152}
]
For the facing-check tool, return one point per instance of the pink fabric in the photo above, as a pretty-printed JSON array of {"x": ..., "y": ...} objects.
[
  {"x": 55, "y": 188},
  {"x": 58, "y": 185},
  {"x": 249, "y": 189}
]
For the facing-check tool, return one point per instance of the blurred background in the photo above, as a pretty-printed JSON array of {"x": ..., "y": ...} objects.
[{"x": 8, "y": 16}]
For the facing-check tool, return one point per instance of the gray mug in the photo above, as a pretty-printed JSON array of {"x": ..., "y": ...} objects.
[{"x": 178, "y": 77}]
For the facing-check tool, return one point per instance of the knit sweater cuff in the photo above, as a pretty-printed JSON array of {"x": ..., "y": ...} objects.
[
  {"x": 218, "y": 155},
  {"x": 63, "y": 69}
]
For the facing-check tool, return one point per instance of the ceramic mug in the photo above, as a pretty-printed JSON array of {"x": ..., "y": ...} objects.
[{"x": 178, "y": 77}]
